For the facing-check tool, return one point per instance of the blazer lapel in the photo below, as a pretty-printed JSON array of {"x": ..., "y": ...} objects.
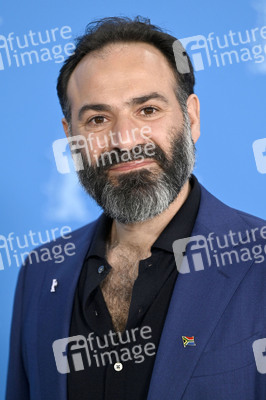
[
  {"x": 198, "y": 301},
  {"x": 55, "y": 315}
]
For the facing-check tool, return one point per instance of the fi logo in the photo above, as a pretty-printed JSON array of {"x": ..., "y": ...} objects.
[
  {"x": 4, "y": 246},
  {"x": 191, "y": 253},
  {"x": 197, "y": 48},
  {"x": 79, "y": 148},
  {"x": 259, "y": 350},
  {"x": 4, "y": 50},
  {"x": 259, "y": 150},
  {"x": 71, "y": 354},
  {"x": 181, "y": 59}
]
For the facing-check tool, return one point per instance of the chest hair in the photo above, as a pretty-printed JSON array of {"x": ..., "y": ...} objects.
[{"x": 117, "y": 286}]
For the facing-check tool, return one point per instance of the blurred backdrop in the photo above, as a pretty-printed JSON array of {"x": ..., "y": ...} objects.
[{"x": 227, "y": 43}]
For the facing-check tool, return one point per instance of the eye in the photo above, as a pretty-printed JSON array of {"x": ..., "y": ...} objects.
[
  {"x": 148, "y": 111},
  {"x": 97, "y": 120}
]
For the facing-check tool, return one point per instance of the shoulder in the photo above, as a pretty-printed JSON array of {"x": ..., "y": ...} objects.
[
  {"x": 250, "y": 219},
  {"x": 223, "y": 217},
  {"x": 68, "y": 251},
  {"x": 78, "y": 235}
]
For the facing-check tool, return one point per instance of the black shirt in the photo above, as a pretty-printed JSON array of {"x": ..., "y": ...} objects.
[{"x": 109, "y": 366}]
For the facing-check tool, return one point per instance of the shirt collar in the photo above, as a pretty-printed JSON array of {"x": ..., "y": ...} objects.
[
  {"x": 181, "y": 225},
  {"x": 98, "y": 245}
]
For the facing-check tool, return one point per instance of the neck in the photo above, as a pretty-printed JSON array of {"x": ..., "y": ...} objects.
[{"x": 144, "y": 234}]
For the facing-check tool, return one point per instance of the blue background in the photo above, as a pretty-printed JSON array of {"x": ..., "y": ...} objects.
[{"x": 34, "y": 196}]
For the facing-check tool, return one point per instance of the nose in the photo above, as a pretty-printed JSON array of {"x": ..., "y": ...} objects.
[{"x": 125, "y": 135}]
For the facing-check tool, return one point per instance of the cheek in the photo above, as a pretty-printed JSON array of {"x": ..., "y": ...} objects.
[
  {"x": 97, "y": 143},
  {"x": 160, "y": 136}
]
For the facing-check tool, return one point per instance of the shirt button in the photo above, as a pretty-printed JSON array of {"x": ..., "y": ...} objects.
[
  {"x": 118, "y": 367},
  {"x": 148, "y": 263},
  {"x": 101, "y": 269}
]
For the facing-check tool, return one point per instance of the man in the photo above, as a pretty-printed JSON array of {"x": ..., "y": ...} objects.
[{"x": 124, "y": 318}]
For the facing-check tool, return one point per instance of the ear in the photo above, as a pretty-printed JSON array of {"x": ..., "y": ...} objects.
[
  {"x": 193, "y": 107},
  {"x": 65, "y": 127}
]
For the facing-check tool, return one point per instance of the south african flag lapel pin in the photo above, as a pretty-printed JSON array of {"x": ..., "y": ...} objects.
[{"x": 188, "y": 341}]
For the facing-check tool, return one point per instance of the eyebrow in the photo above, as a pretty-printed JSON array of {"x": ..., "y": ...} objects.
[
  {"x": 135, "y": 101},
  {"x": 147, "y": 97},
  {"x": 94, "y": 107}
]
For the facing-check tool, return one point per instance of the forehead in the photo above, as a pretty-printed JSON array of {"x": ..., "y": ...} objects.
[{"x": 120, "y": 71}]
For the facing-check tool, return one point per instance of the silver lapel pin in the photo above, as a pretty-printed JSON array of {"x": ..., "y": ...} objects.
[{"x": 54, "y": 284}]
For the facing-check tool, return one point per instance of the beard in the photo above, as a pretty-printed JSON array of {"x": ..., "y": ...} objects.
[{"x": 137, "y": 196}]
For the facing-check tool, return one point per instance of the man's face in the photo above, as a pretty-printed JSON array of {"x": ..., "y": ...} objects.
[{"x": 122, "y": 89}]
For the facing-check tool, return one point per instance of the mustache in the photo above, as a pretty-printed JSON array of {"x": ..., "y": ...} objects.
[{"x": 117, "y": 156}]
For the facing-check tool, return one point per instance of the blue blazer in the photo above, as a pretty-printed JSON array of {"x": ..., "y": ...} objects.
[{"x": 224, "y": 308}]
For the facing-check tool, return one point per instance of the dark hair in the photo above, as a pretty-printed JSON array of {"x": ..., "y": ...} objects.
[{"x": 118, "y": 29}]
